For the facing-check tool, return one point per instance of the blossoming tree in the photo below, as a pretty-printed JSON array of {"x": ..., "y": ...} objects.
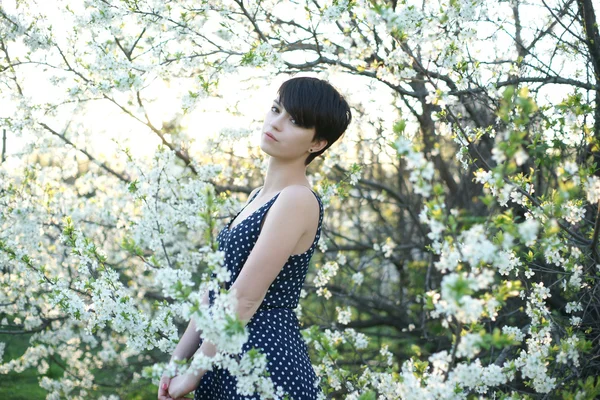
[{"x": 460, "y": 249}]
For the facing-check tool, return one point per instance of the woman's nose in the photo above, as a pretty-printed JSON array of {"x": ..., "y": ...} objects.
[{"x": 277, "y": 121}]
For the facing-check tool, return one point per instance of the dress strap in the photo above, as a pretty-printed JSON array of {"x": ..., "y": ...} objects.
[
  {"x": 255, "y": 194},
  {"x": 242, "y": 209},
  {"x": 320, "y": 207},
  {"x": 315, "y": 193}
]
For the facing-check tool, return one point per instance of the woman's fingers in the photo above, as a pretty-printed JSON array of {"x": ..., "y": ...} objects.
[{"x": 163, "y": 387}]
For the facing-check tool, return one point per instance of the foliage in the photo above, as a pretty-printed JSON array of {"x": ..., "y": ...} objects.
[{"x": 460, "y": 254}]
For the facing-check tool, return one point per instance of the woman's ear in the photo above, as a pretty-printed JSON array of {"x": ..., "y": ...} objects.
[{"x": 318, "y": 145}]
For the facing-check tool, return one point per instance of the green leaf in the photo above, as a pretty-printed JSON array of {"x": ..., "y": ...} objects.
[
  {"x": 370, "y": 395},
  {"x": 133, "y": 186}
]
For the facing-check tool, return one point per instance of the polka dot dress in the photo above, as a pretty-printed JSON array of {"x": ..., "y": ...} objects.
[{"x": 274, "y": 328}]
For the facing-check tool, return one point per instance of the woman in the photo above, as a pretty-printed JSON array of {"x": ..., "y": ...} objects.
[{"x": 269, "y": 243}]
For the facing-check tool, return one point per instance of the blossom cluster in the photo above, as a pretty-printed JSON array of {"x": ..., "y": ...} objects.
[{"x": 104, "y": 254}]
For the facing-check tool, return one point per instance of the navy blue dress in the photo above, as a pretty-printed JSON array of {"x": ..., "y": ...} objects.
[{"x": 274, "y": 328}]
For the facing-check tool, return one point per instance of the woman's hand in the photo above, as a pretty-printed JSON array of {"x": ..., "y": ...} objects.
[
  {"x": 181, "y": 385},
  {"x": 163, "y": 387}
]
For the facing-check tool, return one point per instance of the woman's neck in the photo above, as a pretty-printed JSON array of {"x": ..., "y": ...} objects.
[{"x": 280, "y": 175}]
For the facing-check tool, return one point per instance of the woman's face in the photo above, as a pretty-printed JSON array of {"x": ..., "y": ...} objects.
[{"x": 288, "y": 140}]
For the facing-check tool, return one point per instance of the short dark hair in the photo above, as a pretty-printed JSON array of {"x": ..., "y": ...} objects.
[{"x": 313, "y": 102}]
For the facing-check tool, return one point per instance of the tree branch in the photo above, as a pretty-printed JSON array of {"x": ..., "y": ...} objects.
[{"x": 87, "y": 154}]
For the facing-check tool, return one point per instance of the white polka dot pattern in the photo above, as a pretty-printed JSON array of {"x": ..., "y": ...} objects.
[{"x": 274, "y": 328}]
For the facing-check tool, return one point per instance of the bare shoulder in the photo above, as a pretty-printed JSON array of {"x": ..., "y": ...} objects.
[
  {"x": 300, "y": 199},
  {"x": 298, "y": 194}
]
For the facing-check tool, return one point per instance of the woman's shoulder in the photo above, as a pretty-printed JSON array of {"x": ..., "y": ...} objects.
[
  {"x": 298, "y": 207},
  {"x": 297, "y": 189},
  {"x": 301, "y": 197}
]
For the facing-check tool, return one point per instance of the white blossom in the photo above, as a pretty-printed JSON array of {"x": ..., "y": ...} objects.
[
  {"x": 528, "y": 231},
  {"x": 572, "y": 212},
  {"x": 521, "y": 156},
  {"x": 344, "y": 315},
  {"x": 469, "y": 345},
  {"x": 358, "y": 278},
  {"x": 592, "y": 188}
]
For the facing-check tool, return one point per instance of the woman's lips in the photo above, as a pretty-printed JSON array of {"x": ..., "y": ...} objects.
[{"x": 267, "y": 134}]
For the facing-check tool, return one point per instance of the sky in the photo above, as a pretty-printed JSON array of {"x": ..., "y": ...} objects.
[
  {"x": 107, "y": 121},
  {"x": 208, "y": 119}
]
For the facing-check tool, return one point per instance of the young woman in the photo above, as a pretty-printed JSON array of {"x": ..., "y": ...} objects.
[{"x": 269, "y": 244}]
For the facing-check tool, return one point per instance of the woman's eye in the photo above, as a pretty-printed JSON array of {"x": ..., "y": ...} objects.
[
  {"x": 274, "y": 109},
  {"x": 293, "y": 121}
]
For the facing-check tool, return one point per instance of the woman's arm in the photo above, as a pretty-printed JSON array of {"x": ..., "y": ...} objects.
[
  {"x": 287, "y": 221},
  {"x": 189, "y": 342},
  {"x": 185, "y": 349}
]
